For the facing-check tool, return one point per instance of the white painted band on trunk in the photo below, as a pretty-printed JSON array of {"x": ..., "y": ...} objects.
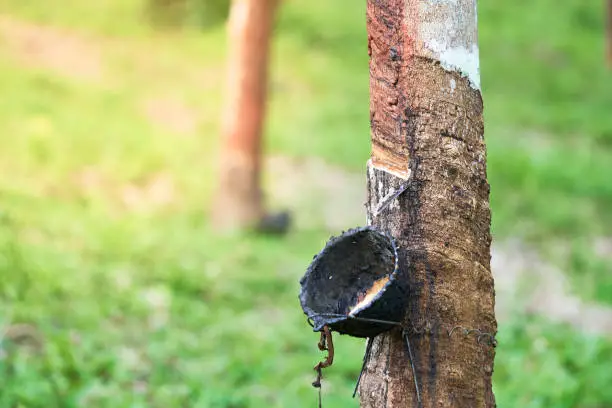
[{"x": 448, "y": 32}]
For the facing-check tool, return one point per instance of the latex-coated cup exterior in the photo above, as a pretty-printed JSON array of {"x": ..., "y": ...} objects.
[{"x": 355, "y": 277}]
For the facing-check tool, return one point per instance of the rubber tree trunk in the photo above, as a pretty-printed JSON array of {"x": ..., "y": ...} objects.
[
  {"x": 238, "y": 201},
  {"x": 427, "y": 131}
]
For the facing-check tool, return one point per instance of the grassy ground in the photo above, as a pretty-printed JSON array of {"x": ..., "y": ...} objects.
[{"x": 113, "y": 290}]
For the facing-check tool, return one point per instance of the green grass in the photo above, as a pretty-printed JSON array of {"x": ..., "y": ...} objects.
[
  {"x": 129, "y": 299},
  {"x": 546, "y": 365}
]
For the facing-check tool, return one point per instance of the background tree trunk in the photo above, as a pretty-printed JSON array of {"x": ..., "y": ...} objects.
[
  {"x": 238, "y": 201},
  {"x": 427, "y": 130}
]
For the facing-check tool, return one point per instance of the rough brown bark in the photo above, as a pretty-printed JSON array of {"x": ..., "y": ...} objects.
[
  {"x": 427, "y": 130},
  {"x": 238, "y": 200}
]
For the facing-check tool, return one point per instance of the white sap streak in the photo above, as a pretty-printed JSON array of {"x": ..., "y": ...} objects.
[
  {"x": 448, "y": 32},
  {"x": 460, "y": 59}
]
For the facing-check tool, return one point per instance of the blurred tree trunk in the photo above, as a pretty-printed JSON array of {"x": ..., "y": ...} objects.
[
  {"x": 238, "y": 200},
  {"x": 427, "y": 131}
]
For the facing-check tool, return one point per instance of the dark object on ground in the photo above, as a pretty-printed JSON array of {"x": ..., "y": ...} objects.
[
  {"x": 275, "y": 223},
  {"x": 352, "y": 285}
]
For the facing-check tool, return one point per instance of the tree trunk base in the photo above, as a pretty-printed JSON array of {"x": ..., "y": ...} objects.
[{"x": 238, "y": 201}]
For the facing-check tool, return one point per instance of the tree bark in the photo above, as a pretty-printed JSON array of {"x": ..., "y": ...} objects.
[
  {"x": 238, "y": 200},
  {"x": 427, "y": 131}
]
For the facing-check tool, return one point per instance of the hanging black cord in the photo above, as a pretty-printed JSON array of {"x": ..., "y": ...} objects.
[{"x": 366, "y": 358}]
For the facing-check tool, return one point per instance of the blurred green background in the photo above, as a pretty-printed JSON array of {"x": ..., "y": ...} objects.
[{"x": 114, "y": 292}]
